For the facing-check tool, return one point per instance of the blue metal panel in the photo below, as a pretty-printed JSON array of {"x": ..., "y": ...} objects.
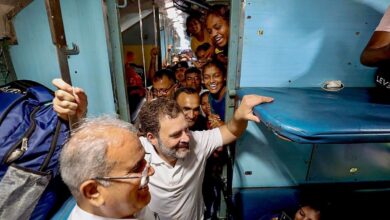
[
  {"x": 34, "y": 57},
  {"x": 270, "y": 160},
  {"x": 84, "y": 25},
  {"x": 350, "y": 163},
  {"x": 306, "y": 42}
]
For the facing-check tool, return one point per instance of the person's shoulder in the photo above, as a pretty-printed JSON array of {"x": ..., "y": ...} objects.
[{"x": 203, "y": 133}]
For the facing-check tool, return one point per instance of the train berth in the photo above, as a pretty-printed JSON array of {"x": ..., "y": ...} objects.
[{"x": 315, "y": 116}]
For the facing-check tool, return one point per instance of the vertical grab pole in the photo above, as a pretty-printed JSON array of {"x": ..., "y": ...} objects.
[
  {"x": 142, "y": 40},
  {"x": 54, "y": 14},
  {"x": 56, "y": 24},
  {"x": 155, "y": 32}
]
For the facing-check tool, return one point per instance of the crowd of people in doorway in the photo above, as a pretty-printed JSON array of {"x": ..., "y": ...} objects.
[
  {"x": 209, "y": 35},
  {"x": 197, "y": 85}
]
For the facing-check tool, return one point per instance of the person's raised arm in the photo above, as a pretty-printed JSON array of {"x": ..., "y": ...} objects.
[
  {"x": 152, "y": 66},
  {"x": 69, "y": 101},
  {"x": 166, "y": 61},
  {"x": 244, "y": 113},
  {"x": 377, "y": 51}
]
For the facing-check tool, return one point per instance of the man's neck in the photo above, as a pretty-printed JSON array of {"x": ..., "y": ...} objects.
[
  {"x": 170, "y": 160},
  {"x": 98, "y": 212}
]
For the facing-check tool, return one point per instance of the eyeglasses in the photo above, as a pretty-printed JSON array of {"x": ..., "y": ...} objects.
[
  {"x": 161, "y": 91},
  {"x": 143, "y": 174}
]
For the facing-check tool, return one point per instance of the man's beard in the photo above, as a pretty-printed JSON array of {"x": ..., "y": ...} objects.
[{"x": 178, "y": 152}]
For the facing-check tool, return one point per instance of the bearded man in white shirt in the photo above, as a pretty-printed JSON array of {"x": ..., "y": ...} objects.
[{"x": 179, "y": 155}]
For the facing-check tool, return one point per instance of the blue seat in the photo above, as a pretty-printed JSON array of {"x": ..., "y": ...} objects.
[{"x": 313, "y": 115}]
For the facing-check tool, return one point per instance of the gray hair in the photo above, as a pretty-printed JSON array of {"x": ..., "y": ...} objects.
[{"x": 83, "y": 156}]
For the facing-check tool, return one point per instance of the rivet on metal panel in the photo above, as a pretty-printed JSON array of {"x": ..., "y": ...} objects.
[
  {"x": 260, "y": 32},
  {"x": 353, "y": 170}
]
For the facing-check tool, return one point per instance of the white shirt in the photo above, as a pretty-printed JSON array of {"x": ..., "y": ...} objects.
[
  {"x": 177, "y": 191},
  {"x": 79, "y": 214}
]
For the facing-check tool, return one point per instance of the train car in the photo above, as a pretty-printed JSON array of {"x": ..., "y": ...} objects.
[{"x": 324, "y": 142}]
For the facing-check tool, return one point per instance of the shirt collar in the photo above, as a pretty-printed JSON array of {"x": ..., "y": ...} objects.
[{"x": 79, "y": 213}]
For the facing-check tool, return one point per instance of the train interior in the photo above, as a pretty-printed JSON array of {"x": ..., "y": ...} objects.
[{"x": 329, "y": 147}]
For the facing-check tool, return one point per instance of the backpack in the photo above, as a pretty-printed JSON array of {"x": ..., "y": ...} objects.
[{"x": 31, "y": 138}]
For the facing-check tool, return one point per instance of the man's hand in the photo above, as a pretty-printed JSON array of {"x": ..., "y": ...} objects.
[
  {"x": 154, "y": 52},
  {"x": 69, "y": 101},
  {"x": 244, "y": 113},
  {"x": 149, "y": 95},
  {"x": 215, "y": 121},
  {"x": 248, "y": 102}
]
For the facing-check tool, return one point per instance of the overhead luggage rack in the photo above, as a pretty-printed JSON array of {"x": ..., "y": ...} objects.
[{"x": 315, "y": 116}]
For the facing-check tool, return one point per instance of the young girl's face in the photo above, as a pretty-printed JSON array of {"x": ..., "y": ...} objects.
[
  {"x": 205, "y": 105},
  {"x": 213, "y": 79},
  {"x": 218, "y": 29},
  {"x": 194, "y": 27}
]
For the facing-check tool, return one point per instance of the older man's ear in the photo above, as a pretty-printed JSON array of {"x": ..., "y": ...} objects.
[{"x": 91, "y": 191}]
